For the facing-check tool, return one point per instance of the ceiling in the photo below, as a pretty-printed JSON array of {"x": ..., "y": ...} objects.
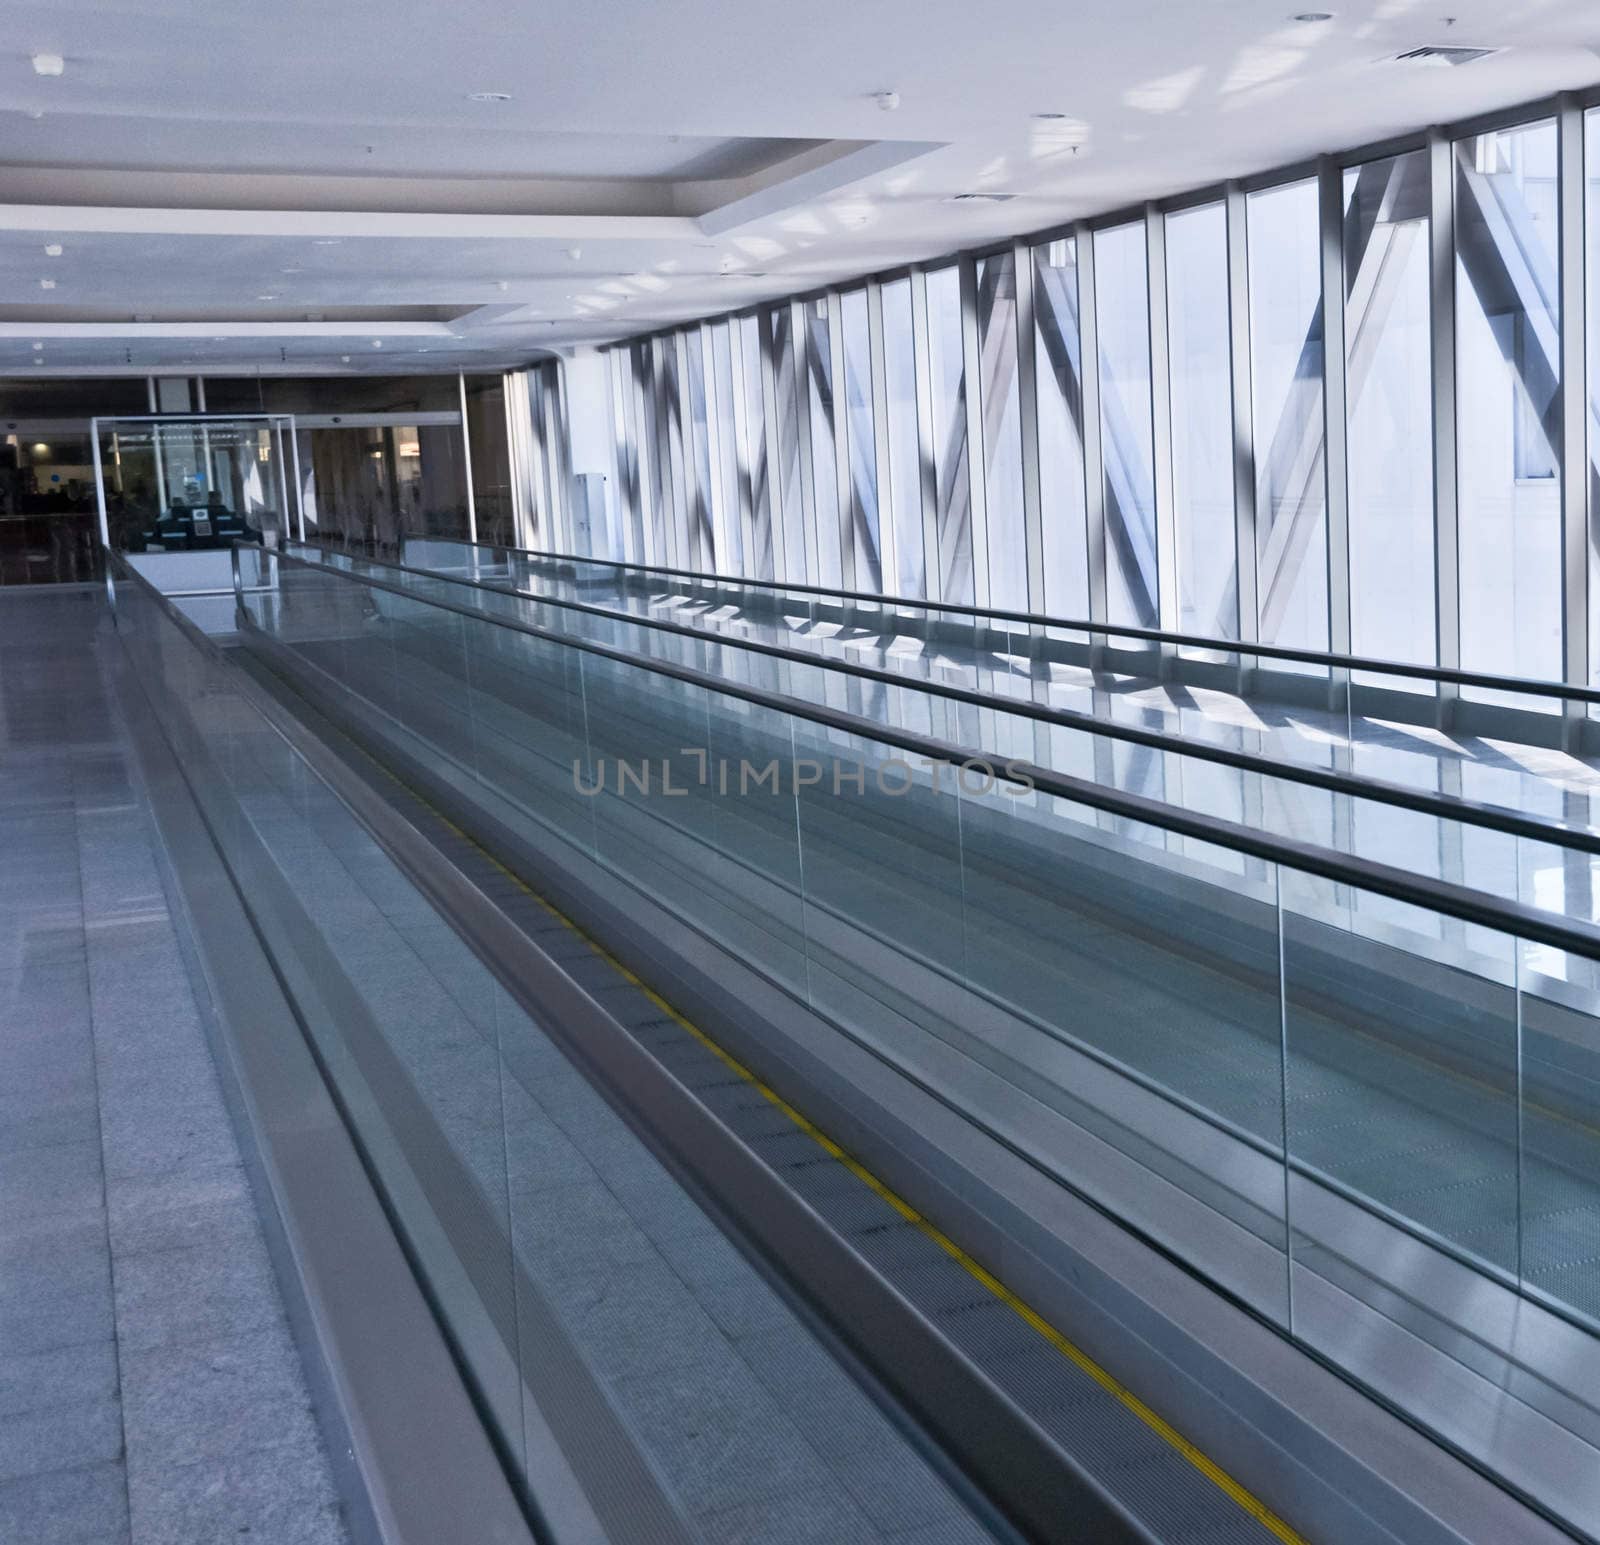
[{"x": 297, "y": 186}]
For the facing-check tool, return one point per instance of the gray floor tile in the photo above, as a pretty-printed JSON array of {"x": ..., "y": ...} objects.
[
  {"x": 63, "y": 1376},
  {"x": 50, "y": 1182},
  {"x": 176, "y": 1211},
  {"x": 819, "y": 1517},
  {"x": 263, "y": 1496},
  {"x": 60, "y": 1437},
  {"x": 175, "y": 1297},
  {"x": 66, "y": 1507},
  {"x": 209, "y": 1399},
  {"x": 718, "y": 1437}
]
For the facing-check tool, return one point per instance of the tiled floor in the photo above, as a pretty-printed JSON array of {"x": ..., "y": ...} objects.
[{"x": 149, "y": 1391}]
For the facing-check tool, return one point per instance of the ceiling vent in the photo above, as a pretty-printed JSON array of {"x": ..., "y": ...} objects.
[
  {"x": 1443, "y": 54},
  {"x": 982, "y": 198}
]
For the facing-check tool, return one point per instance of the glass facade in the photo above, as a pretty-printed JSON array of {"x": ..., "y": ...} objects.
[
  {"x": 1388, "y": 341},
  {"x": 1508, "y": 322},
  {"x": 1058, "y": 366},
  {"x": 901, "y": 502},
  {"x": 1002, "y": 431},
  {"x": 914, "y": 415},
  {"x": 1286, "y": 385},
  {"x": 1202, "y": 422},
  {"x": 1127, "y": 449}
]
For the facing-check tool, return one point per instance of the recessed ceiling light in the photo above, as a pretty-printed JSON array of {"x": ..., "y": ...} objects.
[
  {"x": 53, "y": 250},
  {"x": 48, "y": 64},
  {"x": 488, "y": 96},
  {"x": 266, "y": 297},
  {"x": 327, "y": 241},
  {"x": 377, "y": 343},
  {"x": 344, "y": 359},
  {"x": 47, "y": 284},
  {"x": 38, "y": 345},
  {"x": 575, "y": 253}
]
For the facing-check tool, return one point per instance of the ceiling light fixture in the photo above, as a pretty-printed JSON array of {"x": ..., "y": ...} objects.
[
  {"x": 47, "y": 284},
  {"x": 38, "y": 345},
  {"x": 344, "y": 359},
  {"x": 575, "y": 253},
  {"x": 53, "y": 249},
  {"x": 49, "y": 65},
  {"x": 887, "y": 101},
  {"x": 488, "y": 96},
  {"x": 1312, "y": 16},
  {"x": 327, "y": 241},
  {"x": 266, "y": 297},
  {"x": 377, "y": 343}
]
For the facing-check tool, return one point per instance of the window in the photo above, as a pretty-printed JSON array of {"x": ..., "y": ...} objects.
[
  {"x": 791, "y": 538},
  {"x": 758, "y": 564},
  {"x": 1202, "y": 422},
  {"x": 868, "y": 573},
  {"x": 902, "y": 501},
  {"x": 1059, "y": 372},
  {"x": 1122, "y": 312},
  {"x": 1286, "y": 390},
  {"x": 1389, "y": 407},
  {"x": 1002, "y": 431},
  {"x": 1507, "y": 373},
  {"x": 824, "y": 463},
  {"x": 948, "y": 377},
  {"x": 726, "y": 520},
  {"x": 697, "y": 477}
]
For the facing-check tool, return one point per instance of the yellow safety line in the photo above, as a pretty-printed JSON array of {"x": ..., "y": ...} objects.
[{"x": 1212, "y": 1471}]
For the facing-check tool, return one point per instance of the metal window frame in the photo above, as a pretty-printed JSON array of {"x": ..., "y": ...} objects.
[{"x": 1328, "y": 170}]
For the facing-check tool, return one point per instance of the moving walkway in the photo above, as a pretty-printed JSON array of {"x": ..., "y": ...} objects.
[
  {"x": 1024, "y": 1006},
  {"x": 1520, "y": 745}
]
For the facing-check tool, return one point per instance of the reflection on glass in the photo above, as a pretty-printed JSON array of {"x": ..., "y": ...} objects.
[
  {"x": 791, "y": 509},
  {"x": 1591, "y": 218},
  {"x": 1507, "y": 371},
  {"x": 1002, "y": 431},
  {"x": 948, "y": 376},
  {"x": 1286, "y": 384},
  {"x": 863, "y": 447},
  {"x": 904, "y": 500},
  {"x": 1202, "y": 421},
  {"x": 703, "y": 553},
  {"x": 754, "y": 451},
  {"x": 491, "y": 459},
  {"x": 1388, "y": 376},
  {"x": 824, "y": 465},
  {"x": 1122, "y": 314},
  {"x": 1059, "y": 373}
]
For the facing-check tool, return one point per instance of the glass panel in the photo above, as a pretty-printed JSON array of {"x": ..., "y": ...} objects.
[
  {"x": 863, "y": 446},
  {"x": 182, "y": 486},
  {"x": 1122, "y": 312},
  {"x": 824, "y": 466},
  {"x": 1591, "y": 216},
  {"x": 947, "y": 374},
  {"x": 1002, "y": 431},
  {"x": 491, "y": 459},
  {"x": 1059, "y": 373},
  {"x": 1286, "y": 385},
  {"x": 1507, "y": 372},
  {"x": 702, "y": 553},
  {"x": 726, "y": 516},
  {"x": 1202, "y": 421},
  {"x": 791, "y": 510},
  {"x": 1388, "y": 389},
  {"x": 49, "y": 526},
  {"x": 677, "y": 476},
  {"x": 904, "y": 501},
  {"x": 754, "y": 451},
  {"x": 652, "y": 473}
]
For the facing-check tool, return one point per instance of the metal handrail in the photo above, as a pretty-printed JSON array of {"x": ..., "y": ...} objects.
[
  {"x": 1539, "y": 828},
  {"x": 1524, "y": 685},
  {"x": 1458, "y": 901}
]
